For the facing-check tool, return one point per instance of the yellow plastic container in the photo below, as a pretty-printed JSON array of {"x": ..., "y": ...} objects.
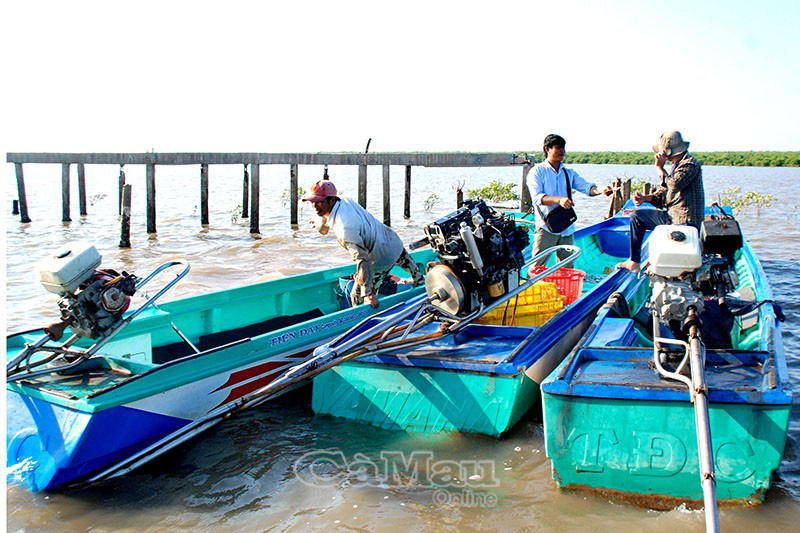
[{"x": 535, "y": 306}]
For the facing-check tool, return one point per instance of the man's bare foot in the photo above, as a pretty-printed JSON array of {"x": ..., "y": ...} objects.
[{"x": 629, "y": 265}]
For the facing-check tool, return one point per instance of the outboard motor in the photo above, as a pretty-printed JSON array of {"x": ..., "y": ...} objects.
[
  {"x": 92, "y": 301},
  {"x": 481, "y": 255},
  {"x": 690, "y": 270}
]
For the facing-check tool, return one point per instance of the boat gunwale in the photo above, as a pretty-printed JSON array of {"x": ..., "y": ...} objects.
[
  {"x": 85, "y": 403},
  {"x": 778, "y": 393},
  {"x": 549, "y": 333}
]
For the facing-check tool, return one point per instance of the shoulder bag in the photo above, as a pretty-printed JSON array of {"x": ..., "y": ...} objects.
[{"x": 559, "y": 218}]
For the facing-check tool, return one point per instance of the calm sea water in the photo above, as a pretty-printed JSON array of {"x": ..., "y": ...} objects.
[{"x": 248, "y": 473}]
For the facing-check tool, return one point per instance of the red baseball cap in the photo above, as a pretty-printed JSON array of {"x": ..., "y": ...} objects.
[{"x": 319, "y": 191}]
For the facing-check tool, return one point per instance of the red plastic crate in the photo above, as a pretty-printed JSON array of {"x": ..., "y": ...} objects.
[{"x": 569, "y": 281}]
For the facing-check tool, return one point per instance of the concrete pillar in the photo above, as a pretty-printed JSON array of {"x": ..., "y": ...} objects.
[
  {"x": 293, "y": 193},
  {"x": 82, "y": 189},
  {"x": 387, "y": 198},
  {"x": 151, "y": 197},
  {"x": 125, "y": 223},
  {"x": 23, "y": 201},
  {"x": 65, "y": 193},
  {"x": 362, "y": 185},
  {"x": 204, "y": 194},
  {"x": 254, "y": 191}
]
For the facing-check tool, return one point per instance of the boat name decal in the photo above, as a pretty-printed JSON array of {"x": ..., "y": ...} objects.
[
  {"x": 310, "y": 330},
  {"x": 653, "y": 454}
]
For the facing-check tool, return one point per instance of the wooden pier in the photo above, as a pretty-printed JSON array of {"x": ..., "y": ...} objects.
[{"x": 251, "y": 180}]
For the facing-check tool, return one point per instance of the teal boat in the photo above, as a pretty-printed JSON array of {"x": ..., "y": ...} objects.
[
  {"x": 162, "y": 367},
  {"x": 485, "y": 378},
  {"x": 618, "y": 413}
]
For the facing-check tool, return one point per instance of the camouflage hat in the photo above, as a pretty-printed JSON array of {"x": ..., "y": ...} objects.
[{"x": 671, "y": 143}]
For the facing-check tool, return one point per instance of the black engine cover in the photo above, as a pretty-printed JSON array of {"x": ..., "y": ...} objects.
[{"x": 721, "y": 236}]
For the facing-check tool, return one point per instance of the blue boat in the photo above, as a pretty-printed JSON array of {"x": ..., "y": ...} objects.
[{"x": 133, "y": 379}]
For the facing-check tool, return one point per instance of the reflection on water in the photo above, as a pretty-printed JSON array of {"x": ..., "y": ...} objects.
[{"x": 255, "y": 472}]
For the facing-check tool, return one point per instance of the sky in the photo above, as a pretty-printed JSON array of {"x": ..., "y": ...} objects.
[{"x": 413, "y": 76}]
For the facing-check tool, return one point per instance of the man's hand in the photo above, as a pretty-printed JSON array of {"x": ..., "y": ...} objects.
[
  {"x": 639, "y": 198},
  {"x": 565, "y": 202},
  {"x": 607, "y": 190},
  {"x": 661, "y": 159},
  {"x": 372, "y": 300}
]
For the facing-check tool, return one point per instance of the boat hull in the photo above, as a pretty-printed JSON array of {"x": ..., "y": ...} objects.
[
  {"x": 424, "y": 399},
  {"x": 50, "y": 445},
  {"x": 614, "y": 426},
  {"x": 63, "y": 427},
  {"x": 646, "y": 451}
]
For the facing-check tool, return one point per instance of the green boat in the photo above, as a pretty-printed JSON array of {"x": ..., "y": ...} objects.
[
  {"x": 618, "y": 415},
  {"x": 485, "y": 378}
]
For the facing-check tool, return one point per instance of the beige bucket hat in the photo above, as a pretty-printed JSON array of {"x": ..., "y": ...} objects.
[{"x": 671, "y": 143}]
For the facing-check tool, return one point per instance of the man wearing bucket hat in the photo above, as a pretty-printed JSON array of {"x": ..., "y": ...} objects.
[
  {"x": 374, "y": 246},
  {"x": 681, "y": 195}
]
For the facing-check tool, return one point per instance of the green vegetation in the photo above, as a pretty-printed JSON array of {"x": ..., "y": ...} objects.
[
  {"x": 729, "y": 159},
  {"x": 637, "y": 185},
  {"x": 93, "y": 199},
  {"x": 739, "y": 201},
  {"x": 496, "y": 191},
  {"x": 285, "y": 195},
  {"x": 431, "y": 201}
]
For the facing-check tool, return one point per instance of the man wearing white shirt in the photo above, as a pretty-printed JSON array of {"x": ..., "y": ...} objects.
[
  {"x": 549, "y": 189},
  {"x": 374, "y": 246}
]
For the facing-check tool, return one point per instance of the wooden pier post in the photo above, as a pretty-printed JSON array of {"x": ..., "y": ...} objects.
[
  {"x": 362, "y": 185},
  {"x": 151, "y": 197},
  {"x": 15, "y": 207},
  {"x": 615, "y": 197},
  {"x": 204, "y": 194},
  {"x": 387, "y": 199},
  {"x": 65, "y": 193},
  {"x": 23, "y": 202},
  {"x": 245, "y": 193},
  {"x": 407, "y": 202},
  {"x": 125, "y": 224},
  {"x": 121, "y": 189},
  {"x": 525, "y": 202},
  {"x": 626, "y": 191},
  {"x": 254, "y": 191},
  {"x": 459, "y": 196},
  {"x": 293, "y": 193},
  {"x": 82, "y": 189}
]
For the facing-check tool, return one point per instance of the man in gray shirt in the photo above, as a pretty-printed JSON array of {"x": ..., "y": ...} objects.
[{"x": 374, "y": 246}]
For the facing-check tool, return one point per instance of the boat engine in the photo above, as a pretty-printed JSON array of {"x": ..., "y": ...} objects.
[
  {"x": 92, "y": 300},
  {"x": 689, "y": 270},
  {"x": 480, "y": 257}
]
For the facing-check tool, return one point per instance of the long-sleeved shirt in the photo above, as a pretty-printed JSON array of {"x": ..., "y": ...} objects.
[
  {"x": 545, "y": 181},
  {"x": 374, "y": 246},
  {"x": 682, "y": 193}
]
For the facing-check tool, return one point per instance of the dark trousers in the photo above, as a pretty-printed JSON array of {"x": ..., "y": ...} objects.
[{"x": 641, "y": 221}]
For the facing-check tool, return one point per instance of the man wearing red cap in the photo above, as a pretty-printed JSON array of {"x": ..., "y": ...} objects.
[{"x": 374, "y": 246}]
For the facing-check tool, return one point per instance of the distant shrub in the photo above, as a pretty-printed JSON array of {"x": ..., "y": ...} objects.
[
  {"x": 431, "y": 201},
  {"x": 739, "y": 201},
  {"x": 496, "y": 191},
  {"x": 286, "y": 193}
]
